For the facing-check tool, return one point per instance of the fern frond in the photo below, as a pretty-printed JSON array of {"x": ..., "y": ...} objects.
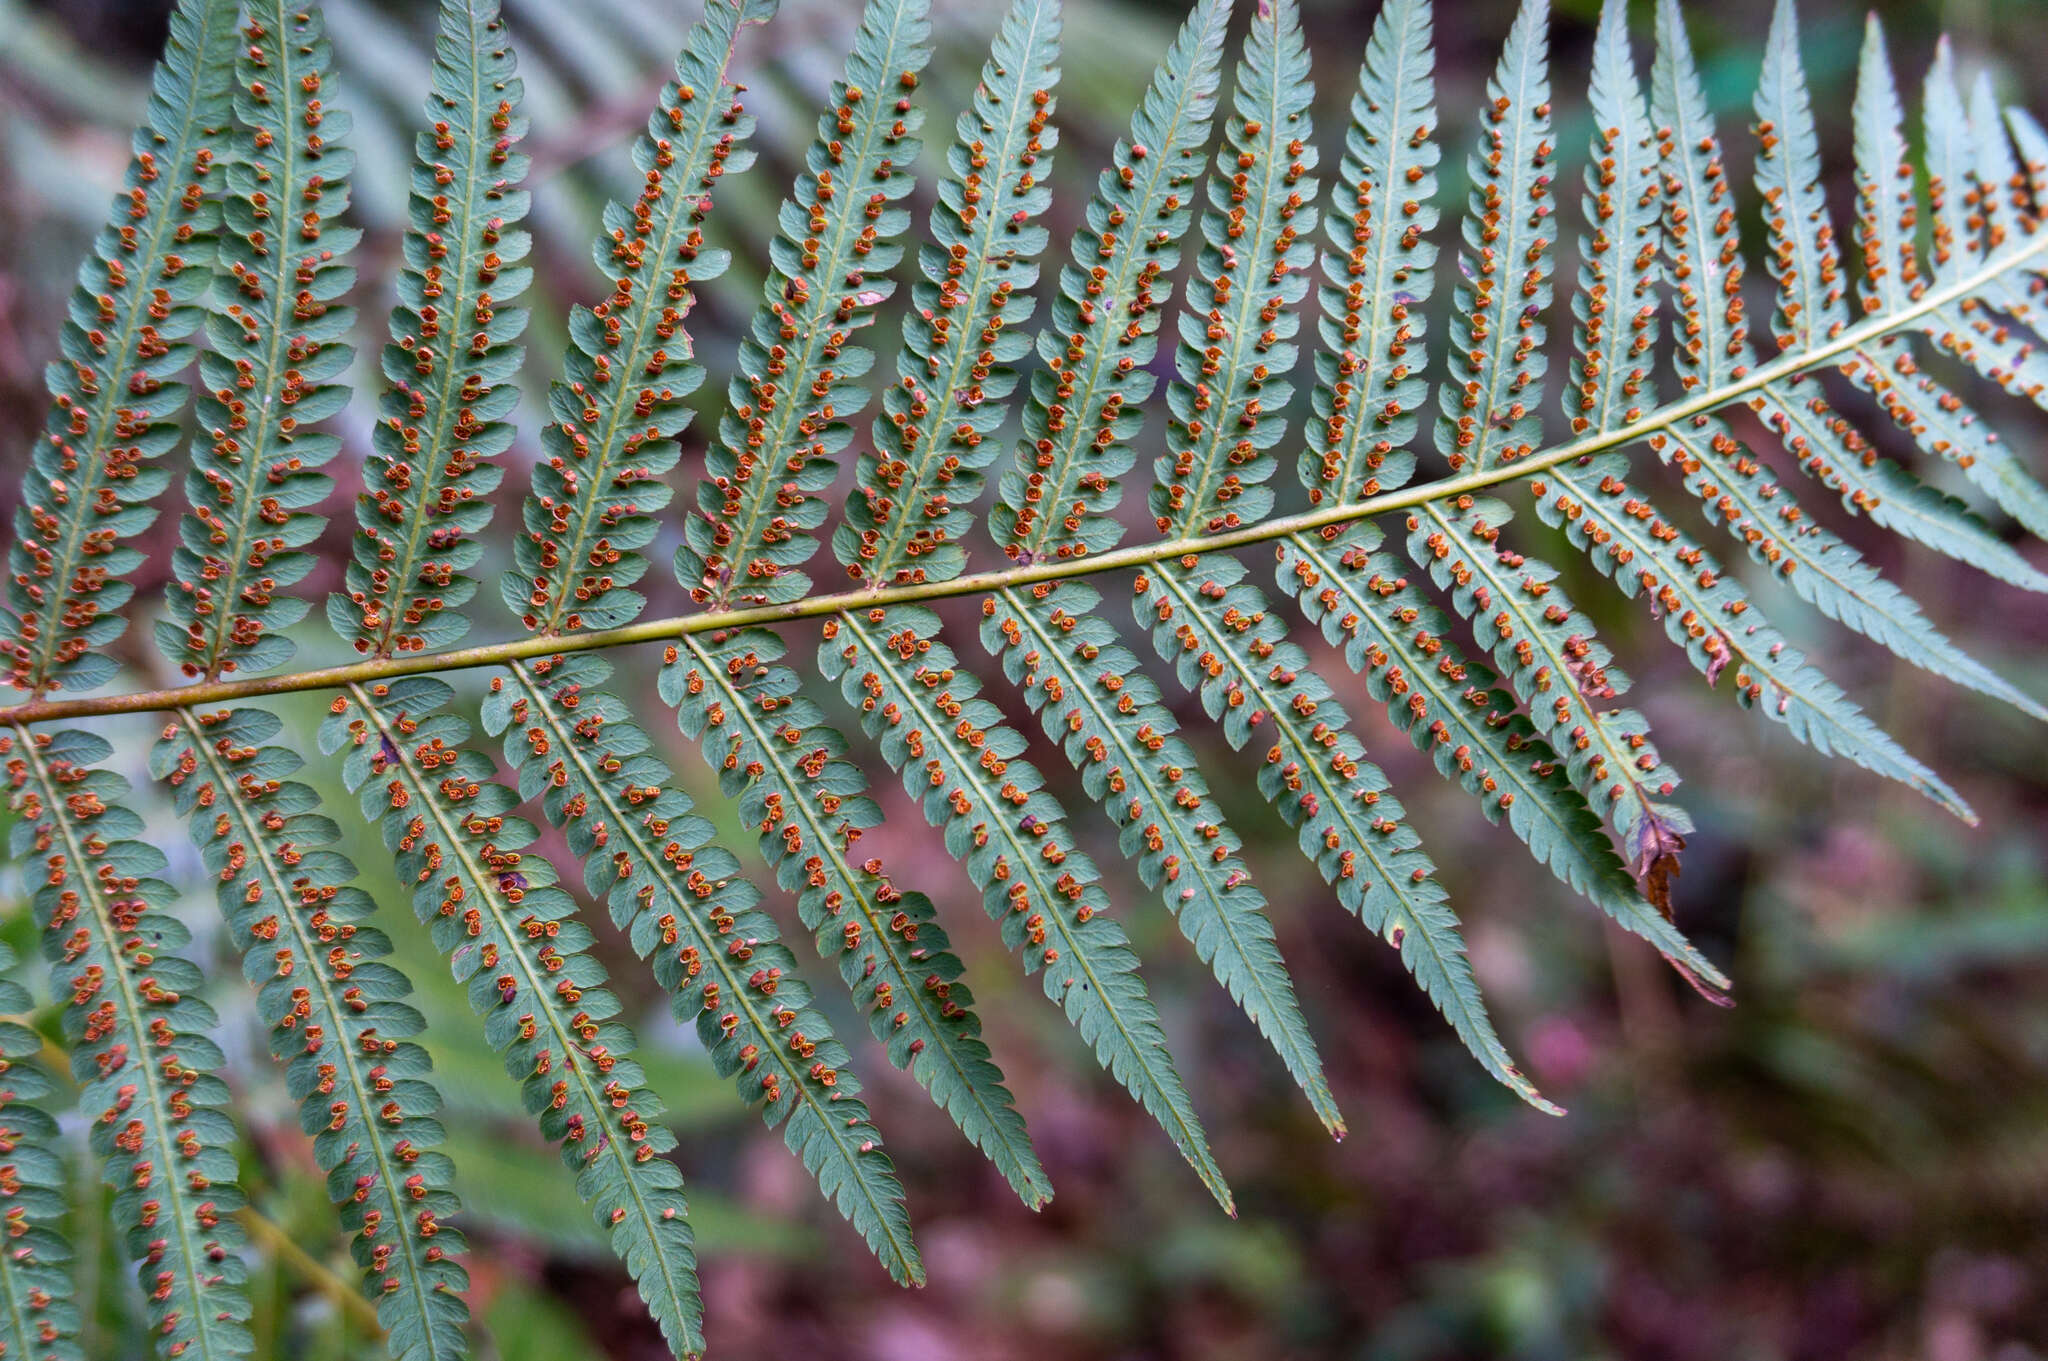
[
  {"x": 1451, "y": 706},
  {"x": 1818, "y": 565},
  {"x": 681, "y": 900},
  {"x": 1707, "y": 613},
  {"x": 278, "y": 345},
  {"x": 137, "y": 1032},
  {"x": 114, "y": 395},
  {"x": 954, "y": 375},
  {"x": 799, "y": 381},
  {"x": 335, "y": 1011},
  {"x": 789, "y": 774},
  {"x": 955, "y": 754},
  {"x": 588, "y": 513},
  {"x": 1936, "y": 419},
  {"x": 1703, "y": 240},
  {"x": 511, "y": 934},
  {"x": 1740, "y": 493},
  {"x": 1227, "y": 646},
  {"x": 1548, "y": 654},
  {"x": 1826, "y": 446},
  {"x": 453, "y": 355},
  {"x": 1107, "y": 716},
  {"x": 961, "y": 741},
  {"x": 1524, "y": 721},
  {"x": 1157, "y": 795},
  {"x": 1367, "y": 395},
  {"x": 964, "y": 333},
  {"x": 38, "y": 1305},
  {"x": 614, "y": 419}
]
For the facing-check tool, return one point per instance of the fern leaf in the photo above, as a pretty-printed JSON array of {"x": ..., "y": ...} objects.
[
  {"x": 114, "y": 396},
  {"x": 799, "y": 378},
  {"x": 1703, "y": 241},
  {"x": 1087, "y": 954},
  {"x": 956, "y": 754},
  {"x": 453, "y": 354},
  {"x": 1054, "y": 499},
  {"x": 614, "y": 420},
  {"x": 1703, "y": 613},
  {"x": 1237, "y": 329},
  {"x": 1834, "y": 453},
  {"x": 1707, "y": 613},
  {"x": 1700, "y": 234},
  {"x": 1488, "y": 408},
  {"x": 787, "y": 771},
  {"x": 336, "y": 1014},
  {"x": 965, "y": 330},
  {"x": 1811, "y": 304},
  {"x": 1935, "y": 418},
  {"x": 278, "y": 344},
  {"x": 1367, "y": 393},
  {"x": 954, "y": 375},
  {"x": 1489, "y": 417},
  {"x": 1228, "y": 647},
  {"x": 586, "y": 517},
  {"x": 1951, "y": 151},
  {"x": 1547, "y": 652},
  {"x": 1739, "y": 493},
  {"x": 137, "y": 1032},
  {"x": 682, "y": 902},
  {"x": 1107, "y": 716},
  {"x": 38, "y": 1304},
  {"x": 511, "y": 934},
  {"x": 1159, "y": 795},
  {"x": 1886, "y": 207},
  {"x": 1451, "y": 706},
  {"x": 1378, "y": 269},
  {"x": 1977, "y": 330}
]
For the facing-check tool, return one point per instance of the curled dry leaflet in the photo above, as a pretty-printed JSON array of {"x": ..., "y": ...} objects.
[{"x": 226, "y": 257}]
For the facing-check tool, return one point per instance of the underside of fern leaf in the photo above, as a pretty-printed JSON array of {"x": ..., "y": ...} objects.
[{"x": 1222, "y": 227}]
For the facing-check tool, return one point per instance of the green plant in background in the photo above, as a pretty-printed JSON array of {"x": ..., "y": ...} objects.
[{"x": 225, "y": 251}]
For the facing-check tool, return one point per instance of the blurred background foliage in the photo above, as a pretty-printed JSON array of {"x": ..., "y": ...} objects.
[{"x": 1851, "y": 1163}]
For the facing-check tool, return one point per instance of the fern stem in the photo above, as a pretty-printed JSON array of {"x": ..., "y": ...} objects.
[{"x": 1787, "y": 365}]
